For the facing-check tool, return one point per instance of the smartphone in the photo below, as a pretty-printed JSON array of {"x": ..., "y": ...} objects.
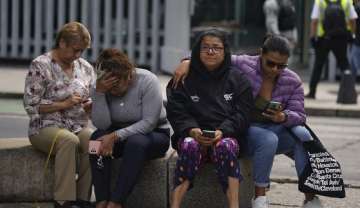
[
  {"x": 274, "y": 105},
  {"x": 208, "y": 133},
  {"x": 94, "y": 147}
]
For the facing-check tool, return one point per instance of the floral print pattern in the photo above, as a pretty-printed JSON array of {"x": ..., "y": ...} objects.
[{"x": 46, "y": 83}]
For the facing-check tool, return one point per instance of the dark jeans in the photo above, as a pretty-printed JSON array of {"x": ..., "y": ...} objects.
[
  {"x": 323, "y": 46},
  {"x": 135, "y": 150}
]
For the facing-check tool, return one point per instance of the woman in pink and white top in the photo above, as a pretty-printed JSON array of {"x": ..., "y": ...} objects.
[{"x": 56, "y": 98}]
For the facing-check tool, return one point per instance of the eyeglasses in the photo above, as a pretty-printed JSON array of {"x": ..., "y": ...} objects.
[
  {"x": 272, "y": 64},
  {"x": 215, "y": 49}
]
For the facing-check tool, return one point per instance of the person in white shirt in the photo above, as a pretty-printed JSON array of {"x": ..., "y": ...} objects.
[{"x": 325, "y": 39}]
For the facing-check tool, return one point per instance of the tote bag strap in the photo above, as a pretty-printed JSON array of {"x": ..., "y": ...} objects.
[{"x": 313, "y": 135}]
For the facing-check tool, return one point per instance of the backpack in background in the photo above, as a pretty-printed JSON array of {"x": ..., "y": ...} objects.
[
  {"x": 357, "y": 37},
  {"x": 334, "y": 22},
  {"x": 286, "y": 16}
]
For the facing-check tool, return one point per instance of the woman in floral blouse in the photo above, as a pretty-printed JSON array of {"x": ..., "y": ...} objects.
[{"x": 56, "y": 98}]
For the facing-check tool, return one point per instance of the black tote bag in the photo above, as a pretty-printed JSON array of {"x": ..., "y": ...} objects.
[{"x": 322, "y": 175}]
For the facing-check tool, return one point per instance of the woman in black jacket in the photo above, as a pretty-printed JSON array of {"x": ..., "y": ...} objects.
[{"x": 209, "y": 113}]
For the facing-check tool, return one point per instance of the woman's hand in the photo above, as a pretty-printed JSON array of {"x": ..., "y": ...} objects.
[
  {"x": 72, "y": 100},
  {"x": 218, "y": 136},
  {"x": 87, "y": 104},
  {"x": 105, "y": 83},
  {"x": 196, "y": 133},
  {"x": 107, "y": 144},
  {"x": 181, "y": 72},
  {"x": 56, "y": 106},
  {"x": 275, "y": 116}
]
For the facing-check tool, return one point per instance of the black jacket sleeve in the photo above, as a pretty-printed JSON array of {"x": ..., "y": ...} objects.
[
  {"x": 178, "y": 115},
  {"x": 238, "y": 121}
]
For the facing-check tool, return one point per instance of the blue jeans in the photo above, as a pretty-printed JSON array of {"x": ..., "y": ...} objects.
[
  {"x": 267, "y": 140},
  {"x": 354, "y": 59}
]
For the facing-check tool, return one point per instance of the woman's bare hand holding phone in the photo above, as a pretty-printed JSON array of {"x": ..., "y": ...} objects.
[
  {"x": 197, "y": 134},
  {"x": 107, "y": 144},
  {"x": 277, "y": 116}
]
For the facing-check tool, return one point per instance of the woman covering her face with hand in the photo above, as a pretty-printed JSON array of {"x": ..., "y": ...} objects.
[
  {"x": 131, "y": 123},
  {"x": 216, "y": 98}
]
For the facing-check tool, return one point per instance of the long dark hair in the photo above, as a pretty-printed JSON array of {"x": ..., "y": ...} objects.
[{"x": 196, "y": 64}]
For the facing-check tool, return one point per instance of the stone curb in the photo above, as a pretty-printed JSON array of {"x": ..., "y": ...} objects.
[
  {"x": 11, "y": 95},
  {"x": 293, "y": 180}
]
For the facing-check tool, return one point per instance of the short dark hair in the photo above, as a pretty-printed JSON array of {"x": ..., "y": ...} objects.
[
  {"x": 276, "y": 43},
  {"x": 113, "y": 60}
]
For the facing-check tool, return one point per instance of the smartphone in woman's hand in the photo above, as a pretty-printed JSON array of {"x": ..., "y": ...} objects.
[
  {"x": 208, "y": 133},
  {"x": 274, "y": 105}
]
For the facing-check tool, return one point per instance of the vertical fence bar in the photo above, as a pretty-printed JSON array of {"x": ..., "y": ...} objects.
[
  {"x": 107, "y": 32},
  {"x": 119, "y": 24},
  {"x": 73, "y": 10},
  {"x": 38, "y": 29},
  {"x": 60, "y": 14},
  {"x": 84, "y": 7},
  {"x": 143, "y": 10},
  {"x": 155, "y": 35},
  {"x": 14, "y": 28},
  {"x": 95, "y": 25},
  {"x": 49, "y": 24},
  {"x": 131, "y": 30},
  {"x": 4, "y": 26},
  {"x": 26, "y": 30},
  {"x": 84, "y": 12}
]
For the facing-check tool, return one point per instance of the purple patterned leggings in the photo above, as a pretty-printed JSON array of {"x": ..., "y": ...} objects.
[{"x": 193, "y": 155}]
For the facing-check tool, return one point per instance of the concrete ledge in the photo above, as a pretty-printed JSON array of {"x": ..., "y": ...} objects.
[
  {"x": 22, "y": 180},
  {"x": 26, "y": 205},
  {"x": 21, "y": 171},
  {"x": 333, "y": 112},
  {"x": 207, "y": 191}
]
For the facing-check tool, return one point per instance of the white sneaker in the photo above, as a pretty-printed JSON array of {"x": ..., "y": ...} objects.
[
  {"x": 260, "y": 202},
  {"x": 314, "y": 203}
]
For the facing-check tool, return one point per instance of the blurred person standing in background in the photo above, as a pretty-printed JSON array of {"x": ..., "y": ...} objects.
[
  {"x": 280, "y": 19},
  {"x": 332, "y": 23}
]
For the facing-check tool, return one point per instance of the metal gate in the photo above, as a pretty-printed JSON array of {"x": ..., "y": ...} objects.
[{"x": 28, "y": 27}]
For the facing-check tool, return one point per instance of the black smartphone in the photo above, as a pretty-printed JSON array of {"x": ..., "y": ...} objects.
[
  {"x": 208, "y": 133},
  {"x": 274, "y": 105}
]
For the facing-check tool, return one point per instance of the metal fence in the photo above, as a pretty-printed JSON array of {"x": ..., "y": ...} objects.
[{"x": 28, "y": 27}]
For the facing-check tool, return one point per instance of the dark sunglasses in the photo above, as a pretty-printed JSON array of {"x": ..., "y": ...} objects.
[{"x": 272, "y": 64}]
